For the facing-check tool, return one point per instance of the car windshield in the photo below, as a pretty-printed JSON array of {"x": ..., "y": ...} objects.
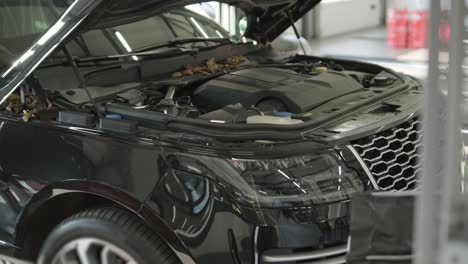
[
  {"x": 191, "y": 26},
  {"x": 22, "y": 22}
]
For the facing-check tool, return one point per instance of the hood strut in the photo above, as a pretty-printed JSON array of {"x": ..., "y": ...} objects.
[
  {"x": 80, "y": 77},
  {"x": 296, "y": 32}
]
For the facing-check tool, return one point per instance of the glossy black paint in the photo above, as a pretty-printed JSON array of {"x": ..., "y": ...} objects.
[
  {"x": 152, "y": 175},
  {"x": 219, "y": 227},
  {"x": 199, "y": 217},
  {"x": 41, "y": 161}
]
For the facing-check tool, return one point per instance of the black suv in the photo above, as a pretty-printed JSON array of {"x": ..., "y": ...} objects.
[{"x": 140, "y": 132}]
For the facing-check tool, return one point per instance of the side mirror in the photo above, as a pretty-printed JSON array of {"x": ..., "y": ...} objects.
[{"x": 242, "y": 25}]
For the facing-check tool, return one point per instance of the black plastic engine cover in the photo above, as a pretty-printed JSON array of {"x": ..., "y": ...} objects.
[{"x": 299, "y": 92}]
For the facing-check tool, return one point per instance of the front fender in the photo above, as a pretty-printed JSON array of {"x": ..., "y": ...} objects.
[{"x": 106, "y": 194}]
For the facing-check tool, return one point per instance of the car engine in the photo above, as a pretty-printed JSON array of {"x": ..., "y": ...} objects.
[
  {"x": 274, "y": 90},
  {"x": 255, "y": 95}
]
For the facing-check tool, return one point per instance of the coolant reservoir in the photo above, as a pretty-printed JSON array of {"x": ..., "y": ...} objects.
[{"x": 280, "y": 118}]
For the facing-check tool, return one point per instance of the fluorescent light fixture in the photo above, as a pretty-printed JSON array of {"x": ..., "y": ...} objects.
[
  {"x": 284, "y": 174},
  {"x": 218, "y": 121},
  {"x": 200, "y": 29},
  {"x": 125, "y": 44},
  {"x": 219, "y": 34},
  {"x": 123, "y": 41}
]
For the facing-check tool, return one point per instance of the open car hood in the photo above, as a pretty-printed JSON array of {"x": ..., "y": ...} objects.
[{"x": 267, "y": 18}]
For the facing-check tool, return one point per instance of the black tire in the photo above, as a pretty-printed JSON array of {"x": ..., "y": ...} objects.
[{"x": 112, "y": 225}]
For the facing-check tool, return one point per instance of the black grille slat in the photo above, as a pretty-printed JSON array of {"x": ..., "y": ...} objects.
[{"x": 393, "y": 156}]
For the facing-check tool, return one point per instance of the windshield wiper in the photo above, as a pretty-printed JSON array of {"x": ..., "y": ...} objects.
[
  {"x": 176, "y": 42},
  {"x": 164, "y": 53},
  {"x": 119, "y": 57},
  {"x": 151, "y": 51}
]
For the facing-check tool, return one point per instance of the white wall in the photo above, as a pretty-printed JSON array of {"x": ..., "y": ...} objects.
[{"x": 341, "y": 16}]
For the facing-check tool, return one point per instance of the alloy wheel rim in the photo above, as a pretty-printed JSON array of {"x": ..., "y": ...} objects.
[{"x": 92, "y": 251}]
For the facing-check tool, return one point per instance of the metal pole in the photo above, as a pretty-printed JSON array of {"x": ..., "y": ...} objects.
[
  {"x": 453, "y": 133},
  {"x": 426, "y": 220}
]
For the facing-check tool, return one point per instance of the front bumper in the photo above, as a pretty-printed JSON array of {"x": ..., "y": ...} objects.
[{"x": 317, "y": 234}]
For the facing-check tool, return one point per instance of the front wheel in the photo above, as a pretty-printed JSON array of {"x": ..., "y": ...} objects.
[{"x": 104, "y": 235}]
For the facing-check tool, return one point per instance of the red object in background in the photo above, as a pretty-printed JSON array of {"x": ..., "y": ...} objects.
[
  {"x": 417, "y": 29},
  {"x": 444, "y": 32},
  {"x": 397, "y": 28}
]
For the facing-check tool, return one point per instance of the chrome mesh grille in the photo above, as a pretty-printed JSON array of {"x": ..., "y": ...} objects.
[{"x": 393, "y": 156}]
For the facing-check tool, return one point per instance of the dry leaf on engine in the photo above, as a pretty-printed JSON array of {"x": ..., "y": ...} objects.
[
  {"x": 14, "y": 97},
  {"x": 235, "y": 60},
  {"x": 211, "y": 66},
  {"x": 49, "y": 104},
  {"x": 35, "y": 102},
  {"x": 27, "y": 115},
  {"x": 177, "y": 74},
  {"x": 29, "y": 109}
]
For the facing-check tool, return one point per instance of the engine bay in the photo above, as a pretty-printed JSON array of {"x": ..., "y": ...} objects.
[
  {"x": 254, "y": 95},
  {"x": 235, "y": 91}
]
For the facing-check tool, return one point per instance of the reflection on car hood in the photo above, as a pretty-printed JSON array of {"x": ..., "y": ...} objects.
[{"x": 267, "y": 18}]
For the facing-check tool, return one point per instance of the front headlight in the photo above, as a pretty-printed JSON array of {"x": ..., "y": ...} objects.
[{"x": 304, "y": 180}]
